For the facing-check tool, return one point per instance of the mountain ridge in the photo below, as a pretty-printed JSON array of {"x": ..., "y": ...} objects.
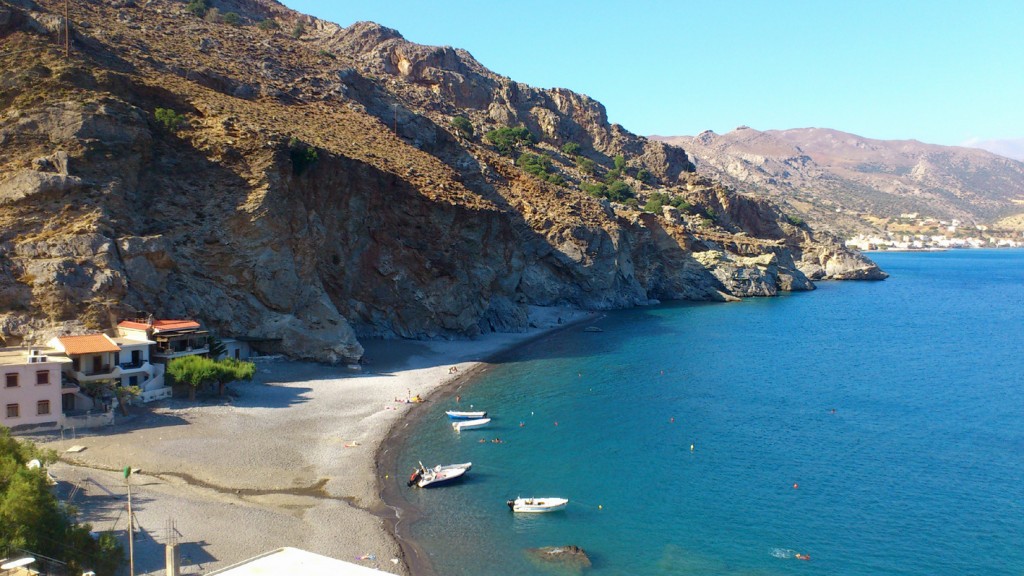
[
  {"x": 820, "y": 172},
  {"x": 305, "y": 186}
]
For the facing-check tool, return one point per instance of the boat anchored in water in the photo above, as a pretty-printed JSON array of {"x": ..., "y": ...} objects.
[
  {"x": 460, "y": 425},
  {"x": 457, "y": 415},
  {"x": 535, "y": 505},
  {"x": 437, "y": 475}
]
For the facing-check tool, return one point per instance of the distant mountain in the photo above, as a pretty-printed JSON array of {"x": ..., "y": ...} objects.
[
  {"x": 1012, "y": 148},
  {"x": 849, "y": 183}
]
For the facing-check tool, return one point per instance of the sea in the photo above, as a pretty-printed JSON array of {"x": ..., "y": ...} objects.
[{"x": 862, "y": 428}]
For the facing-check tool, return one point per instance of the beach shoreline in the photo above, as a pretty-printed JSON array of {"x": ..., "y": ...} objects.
[
  {"x": 296, "y": 458},
  {"x": 404, "y": 515}
]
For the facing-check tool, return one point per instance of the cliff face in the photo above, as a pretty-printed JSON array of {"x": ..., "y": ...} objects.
[{"x": 316, "y": 191}]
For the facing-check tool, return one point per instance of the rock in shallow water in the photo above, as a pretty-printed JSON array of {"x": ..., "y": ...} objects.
[{"x": 568, "y": 557}]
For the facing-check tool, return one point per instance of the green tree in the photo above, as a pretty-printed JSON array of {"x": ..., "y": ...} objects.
[
  {"x": 463, "y": 126},
  {"x": 169, "y": 119},
  {"x": 298, "y": 30},
  {"x": 303, "y": 155},
  {"x": 199, "y": 371},
  {"x": 195, "y": 371},
  {"x": 125, "y": 394},
  {"x": 232, "y": 370},
  {"x": 586, "y": 165},
  {"x": 571, "y": 148},
  {"x": 795, "y": 220},
  {"x": 540, "y": 166},
  {"x": 268, "y": 25},
  {"x": 32, "y": 519},
  {"x": 217, "y": 348},
  {"x": 507, "y": 140},
  {"x": 232, "y": 18},
  {"x": 620, "y": 162},
  {"x": 198, "y": 7},
  {"x": 643, "y": 175},
  {"x": 619, "y": 191}
]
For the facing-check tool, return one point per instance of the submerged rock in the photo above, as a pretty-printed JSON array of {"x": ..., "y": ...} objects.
[{"x": 572, "y": 558}]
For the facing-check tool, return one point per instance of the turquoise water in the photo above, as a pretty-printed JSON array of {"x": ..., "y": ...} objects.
[{"x": 918, "y": 471}]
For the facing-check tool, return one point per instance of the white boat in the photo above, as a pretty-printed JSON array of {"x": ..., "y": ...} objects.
[
  {"x": 439, "y": 474},
  {"x": 460, "y": 425},
  {"x": 457, "y": 415},
  {"x": 537, "y": 504}
]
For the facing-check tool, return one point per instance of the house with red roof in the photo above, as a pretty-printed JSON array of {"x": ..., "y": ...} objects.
[{"x": 172, "y": 338}]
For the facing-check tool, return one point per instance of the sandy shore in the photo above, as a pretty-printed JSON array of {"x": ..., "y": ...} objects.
[{"x": 286, "y": 460}]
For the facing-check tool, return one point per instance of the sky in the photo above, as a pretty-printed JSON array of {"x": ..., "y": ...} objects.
[{"x": 939, "y": 71}]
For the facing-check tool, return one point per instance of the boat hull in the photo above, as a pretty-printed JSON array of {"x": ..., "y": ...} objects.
[
  {"x": 440, "y": 477},
  {"x": 461, "y": 425},
  {"x": 537, "y": 505},
  {"x": 456, "y": 415}
]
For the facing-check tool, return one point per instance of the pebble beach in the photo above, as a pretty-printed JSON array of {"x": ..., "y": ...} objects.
[{"x": 289, "y": 459}]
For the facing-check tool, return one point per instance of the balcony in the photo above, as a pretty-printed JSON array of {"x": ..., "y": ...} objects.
[
  {"x": 133, "y": 367},
  {"x": 178, "y": 352}
]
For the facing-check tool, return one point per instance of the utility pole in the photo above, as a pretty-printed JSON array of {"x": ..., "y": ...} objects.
[{"x": 131, "y": 524}]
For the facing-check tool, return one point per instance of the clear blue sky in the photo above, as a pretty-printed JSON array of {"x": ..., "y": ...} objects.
[{"x": 939, "y": 71}]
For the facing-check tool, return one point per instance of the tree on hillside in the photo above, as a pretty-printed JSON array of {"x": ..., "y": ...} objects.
[
  {"x": 507, "y": 140},
  {"x": 199, "y": 371},
  {"x": 463, "y": 126},
  {"x": 32, "y": 519}
]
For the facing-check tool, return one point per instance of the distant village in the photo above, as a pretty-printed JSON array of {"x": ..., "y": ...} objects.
[{"x": 913, "y": 232}]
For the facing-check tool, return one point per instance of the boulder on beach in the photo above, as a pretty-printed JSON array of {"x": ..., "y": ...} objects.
[{"x": 571, "y": 558}]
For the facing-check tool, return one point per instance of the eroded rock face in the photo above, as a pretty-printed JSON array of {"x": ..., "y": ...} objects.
[{"x": 338, "y": 205}]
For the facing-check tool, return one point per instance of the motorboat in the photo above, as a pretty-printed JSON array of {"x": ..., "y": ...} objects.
[
  {"x": 439, "y": 474},
  {"x": 457, "y": 415},
  {"x": 460, "y": 425},
  {"x": 537, "y": 504}
]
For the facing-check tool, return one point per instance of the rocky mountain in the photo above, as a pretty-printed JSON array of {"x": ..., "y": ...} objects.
[
  {"x": 282, "y": 178},
  {"x": 849, "y": 183}
]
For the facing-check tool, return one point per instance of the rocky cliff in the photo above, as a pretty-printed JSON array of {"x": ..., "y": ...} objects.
[
  {"x": 285, "y": 179},
  {"x": 849, "y": 183}
]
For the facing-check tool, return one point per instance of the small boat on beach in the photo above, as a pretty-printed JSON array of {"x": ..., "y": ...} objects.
[
  {"x": 460, "y": 425},
  {"x": 458, "y": 415},
  {"x": 535, "y": 505},
  {"x": 439, "y": 474}
]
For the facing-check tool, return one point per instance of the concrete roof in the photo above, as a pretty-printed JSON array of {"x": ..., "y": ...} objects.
[
  {"x": 15, "y": 356},
  {"x": 295, "y": 561}
]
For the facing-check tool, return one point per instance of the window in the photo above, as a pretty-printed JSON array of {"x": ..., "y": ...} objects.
[
  {"x": 12, "y": 380},
  {"x": 43, "y": 377},
  {"x": 12, "y": 410},
  {"x": 43, "y": 407}
]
